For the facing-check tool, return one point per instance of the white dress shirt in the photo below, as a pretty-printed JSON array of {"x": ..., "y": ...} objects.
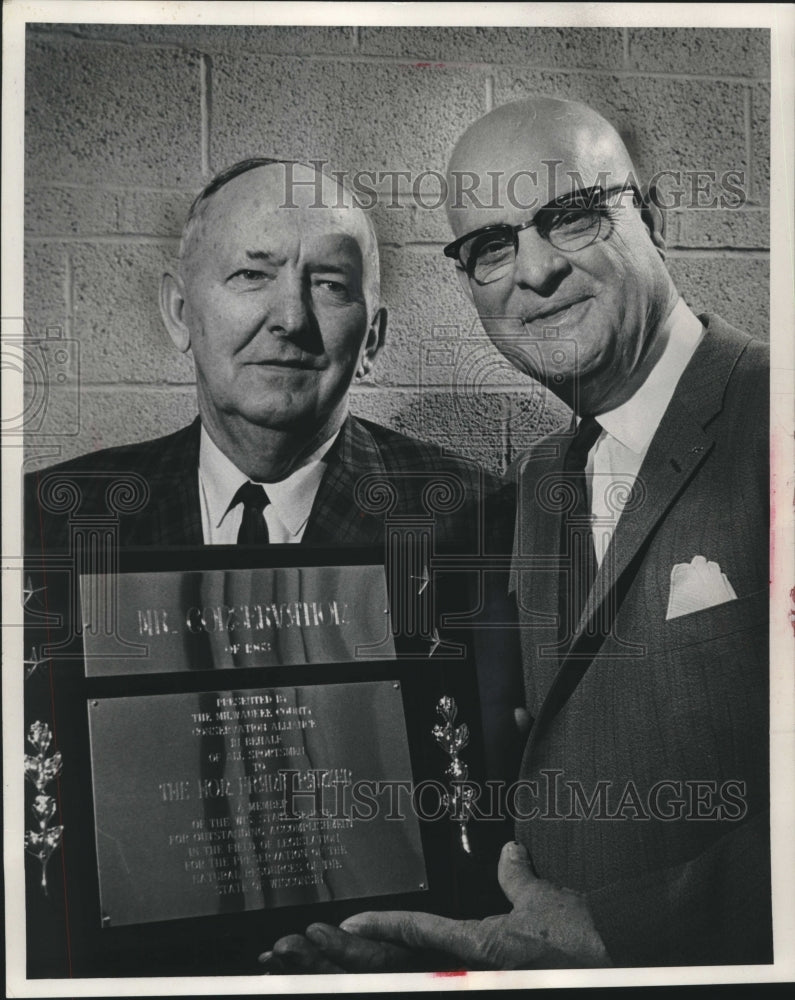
[
  {"x": 290, "y": 504},
  {"x": 627, "y": 431}
]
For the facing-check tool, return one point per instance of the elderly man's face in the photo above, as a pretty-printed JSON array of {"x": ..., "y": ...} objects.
[
  {"x": 601, "y": 301},
  {"x": 274, "y": 300}
]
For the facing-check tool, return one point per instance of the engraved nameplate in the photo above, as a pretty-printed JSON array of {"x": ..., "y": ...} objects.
[
  {"x": 171, "y": 622},
  {"x": 227, "y": 801}
]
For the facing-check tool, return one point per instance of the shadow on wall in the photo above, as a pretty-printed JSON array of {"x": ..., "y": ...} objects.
[{"x": 492, "y": 428}]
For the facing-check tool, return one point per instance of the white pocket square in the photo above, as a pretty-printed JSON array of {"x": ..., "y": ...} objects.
[{"x": 697, "y": 585}]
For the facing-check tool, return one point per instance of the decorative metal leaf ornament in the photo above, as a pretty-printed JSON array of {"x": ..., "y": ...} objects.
[
  {"x": 452, "y": 739},
  {"x": 41, "y": 770}
]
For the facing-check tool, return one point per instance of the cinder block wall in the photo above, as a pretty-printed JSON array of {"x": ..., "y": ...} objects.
[{"x": 124, "y": 123}]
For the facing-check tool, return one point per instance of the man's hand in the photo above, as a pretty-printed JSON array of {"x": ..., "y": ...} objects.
[
  {"x": 326, "y": 950},
  {"x": 547, "y": 928}
]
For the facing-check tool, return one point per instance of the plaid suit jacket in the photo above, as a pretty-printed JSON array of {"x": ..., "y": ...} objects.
[{"x": 150, "y": 492}]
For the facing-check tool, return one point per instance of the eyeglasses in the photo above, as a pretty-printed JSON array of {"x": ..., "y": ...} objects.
[{"x": 571, "y": 222}]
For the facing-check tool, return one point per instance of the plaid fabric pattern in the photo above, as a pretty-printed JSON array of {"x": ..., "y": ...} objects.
[
  {"x": 163, "y": 470},
  {"x": 373, "y": 473},
  {"x": 371, "y": 466}
]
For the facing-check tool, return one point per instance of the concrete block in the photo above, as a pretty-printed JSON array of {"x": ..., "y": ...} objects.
[
  {"x": 431, "y": 226},
  {"x": 416, "y": 218},
  {"x": 394, "y": 225},
  {"x": 535, "y": 412},
  {"x": 46, "y": 295},
  {"x": 112, "y": 114},
  {"x": 382, "y": 406},
  {"x": 267, "y": 39},
  {"x": 421, "y": 292},
  {"x": 65, "y": 211},
  {"x": 122, "y": 415},
  {"x": 125, "y": 415},
  {"x": 116, "y": 314},
  {"x": 357, "y": 116},
  {"x": 491, "y": 427},
  {"x": 296, "y": 40},
  {"x": 473, "y": 427},
  {"x": 719, "y": 228},
  {"x": 468, "y": 425},
  {"x": 675, "y": 228},
  {"x": 410, "y": 222},
  {"x": 735, "y": 286},
  {"x": 44, "y": 406},
  {"x": 760, "y": 142},
  {"x": 154, "y": 213},
  {"x": 465, "y": 361},
  {"x": 463, "y": 423},
  {"x": 701, "y": 51},
  {"x": 50, "y": 418},
  {"x": 576, "y": 47},
  {"x": 661, "y": 120}
]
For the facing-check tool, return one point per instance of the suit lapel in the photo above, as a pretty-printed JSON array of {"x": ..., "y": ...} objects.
[
  {"x": 536, "y": 557},
  {"x": 176, "y": 509},
  {"x": 680, "y": 445},
  {"x": 174, "y": 515},
  {"x": 336, "y": 519},
  {"x": 678, "y": 449}
]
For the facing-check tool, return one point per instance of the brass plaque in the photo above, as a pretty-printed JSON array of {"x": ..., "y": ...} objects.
[
  {"x": 225, "y": 801},
  {"x": 170, "y": 622}
]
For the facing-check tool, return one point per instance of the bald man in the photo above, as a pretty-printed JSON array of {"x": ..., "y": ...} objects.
[
  {"x": 640, "y": 571},
  {"x": 276, "y": 298}
]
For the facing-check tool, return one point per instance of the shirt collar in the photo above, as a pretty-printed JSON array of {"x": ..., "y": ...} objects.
[
  {"x": 635, "y": 421},
  {"x": 292, "y": 498}
]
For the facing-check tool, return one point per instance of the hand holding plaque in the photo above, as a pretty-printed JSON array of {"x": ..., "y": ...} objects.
[{"x": 548, "y": 927}]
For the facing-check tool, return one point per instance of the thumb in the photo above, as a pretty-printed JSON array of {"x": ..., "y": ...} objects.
[
  {"x": 515, "y": 873},
  {"x": 522, "y": 719}
]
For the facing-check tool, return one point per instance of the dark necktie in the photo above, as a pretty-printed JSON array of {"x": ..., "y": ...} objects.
[
  {"x": 253, "y": 529},
  {"x": 578, "y": 568}
]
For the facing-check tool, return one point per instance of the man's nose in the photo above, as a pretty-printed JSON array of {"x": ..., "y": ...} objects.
[
  {"x": 288, "y": 307},
  {"x": 539, "y": 266}
]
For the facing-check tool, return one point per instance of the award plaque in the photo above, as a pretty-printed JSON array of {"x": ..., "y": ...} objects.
[
  {"x": 217, "y": 619},
  {"x": 247, "y": 801},
  {"x": 246, "y": 749}
]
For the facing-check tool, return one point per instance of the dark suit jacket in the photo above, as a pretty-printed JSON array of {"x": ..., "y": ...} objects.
[
  {"x": 159, "y": 505},
  {"x": 646, "y": 708},
  {"x": 149, "y": 493}
]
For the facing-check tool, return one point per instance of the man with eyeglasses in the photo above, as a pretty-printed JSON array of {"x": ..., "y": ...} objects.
[{"x": 640, "y": 571}]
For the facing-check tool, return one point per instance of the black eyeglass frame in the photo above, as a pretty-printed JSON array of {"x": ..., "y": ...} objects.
[{"x": 576, "y": 199}]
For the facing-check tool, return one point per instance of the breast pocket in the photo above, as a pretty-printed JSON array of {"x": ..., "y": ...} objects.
[{"x": 739, "y": 615}]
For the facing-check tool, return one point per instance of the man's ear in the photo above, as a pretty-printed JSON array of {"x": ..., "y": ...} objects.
[
  {"x": 654, "y": 219},
  {"x": 373, "y": 342},
  {"x": 172, "y": 309}
]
